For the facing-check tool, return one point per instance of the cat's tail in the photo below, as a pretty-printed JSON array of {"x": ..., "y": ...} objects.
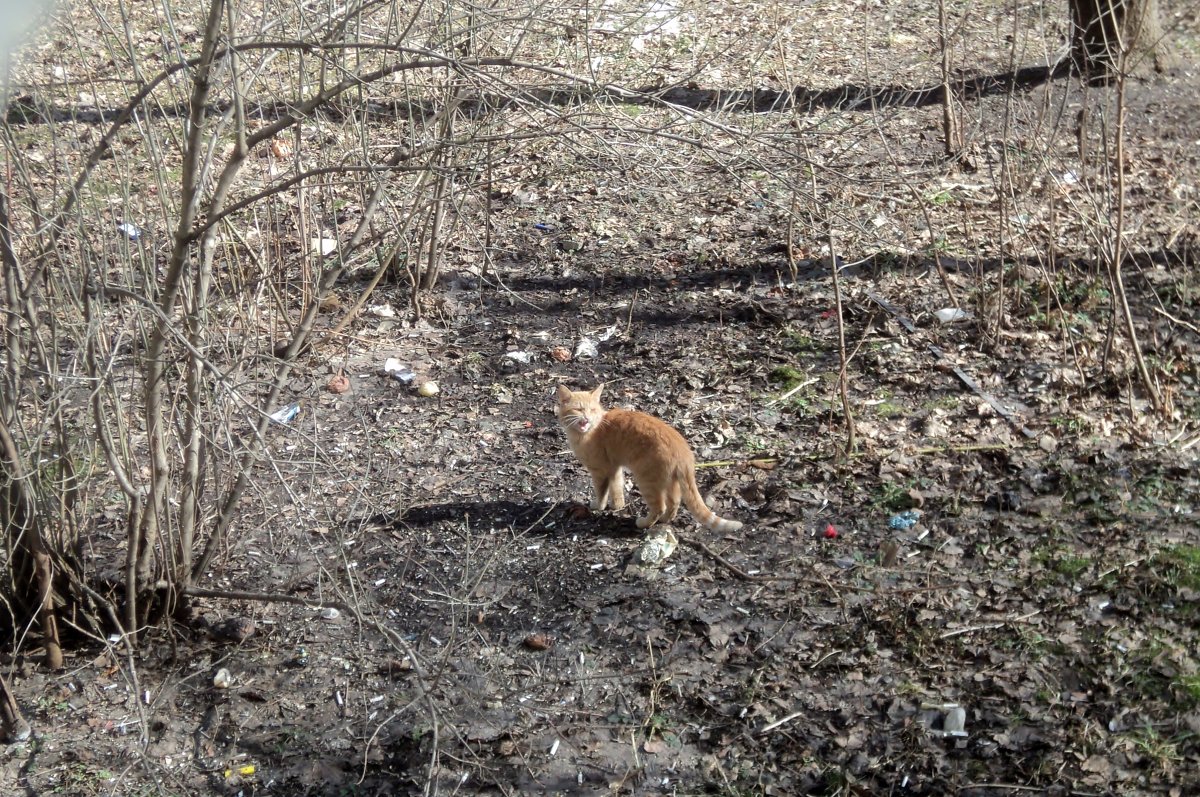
[{"x": 695, "y": 503}]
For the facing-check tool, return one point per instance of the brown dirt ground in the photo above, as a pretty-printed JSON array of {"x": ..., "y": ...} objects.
[{"x": 1045, "y": 589}]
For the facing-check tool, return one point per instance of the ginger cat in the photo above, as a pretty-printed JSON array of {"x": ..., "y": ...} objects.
[{"x": 660, "y": 460}]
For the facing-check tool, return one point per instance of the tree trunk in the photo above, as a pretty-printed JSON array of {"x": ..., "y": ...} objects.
[
  {"x": 29, "y": 556},
  {"x": 1108, "y": 36}
]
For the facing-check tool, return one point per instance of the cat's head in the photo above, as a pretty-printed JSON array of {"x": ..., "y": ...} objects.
[{"x": 580, "y": 410}]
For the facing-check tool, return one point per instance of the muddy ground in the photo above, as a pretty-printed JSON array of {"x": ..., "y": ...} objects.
[{"x": 1046, "y": 588}]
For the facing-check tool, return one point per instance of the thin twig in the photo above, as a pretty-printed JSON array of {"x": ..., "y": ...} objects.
[
  {"x": 989, "y": 626},
  {"x": 763, "y": 462},
  {"x": 1175, "y": 320},
  {"x": 817, "y": 663},
  {"x": 709, "y": 552},
  {"x": 265, "y": 597},
  {"x": 784, "y": 721},
  {"x": 792, "y": 392},
  {"x": 1121, "y": 299},
  {"x": 964, "y": 448}
]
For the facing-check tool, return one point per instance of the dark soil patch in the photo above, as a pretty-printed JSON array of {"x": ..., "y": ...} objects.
[{"x": 1044, "y": 621}]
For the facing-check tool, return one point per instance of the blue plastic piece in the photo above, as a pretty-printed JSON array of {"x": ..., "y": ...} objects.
[
  {"x": 905, "y": 520},
  {"x": 286, "y": 414}
]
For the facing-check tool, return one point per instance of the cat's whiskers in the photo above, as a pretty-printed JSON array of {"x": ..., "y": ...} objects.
[{"x": 578, "y": 422}]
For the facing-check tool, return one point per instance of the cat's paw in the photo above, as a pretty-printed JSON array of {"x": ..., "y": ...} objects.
[
  {"x": 596, "y": 505},
  {"x": 645, "y": 521}
]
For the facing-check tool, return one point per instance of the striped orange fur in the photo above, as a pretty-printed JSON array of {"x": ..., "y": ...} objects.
[{"x": 662, "y": 464}]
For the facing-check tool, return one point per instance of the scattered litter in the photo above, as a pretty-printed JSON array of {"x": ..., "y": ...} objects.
[
  {"x": 330, "y": 614},
  {"x": 658, "y": 546},
  {"x": 522, "y": 357},
  {"x": 945, "y": 719},
  {"x": 905, "y": 520},
  {"x": 281, "y": 148},
  {"x": 586, "y": 347},
  {"x": 554, "y": 747},
  {"x": 222, "y": 679},
  {"x": 323, "y": 246},
  {"x": 608, "y": 332},
  {"x": 285, "y": 415},
  {"x": 338, "y": 384},
  {"x": 659, "y": 21},
  {"x": 1068, "y": 178},
  {"x": 428, "y": 389},
  {"x": 543, "y": 227},
  {"x": 381, "y": 310},
  {"x": 396, "y": 665},
  {"x": 398, "y": 370},
  {"x": 244, "y": 771},
  {"x": 560, "y": 353},
  {"x": 19, "y": 731},
  {"x": 131, "y": 231},
  {"x": 538, "y": 641},
  {"x": 524, "y": 199},
  {"x": 955, "y": 722},
  {"x": 830, "y": 533},
  {"x": 948, "y": 315}
]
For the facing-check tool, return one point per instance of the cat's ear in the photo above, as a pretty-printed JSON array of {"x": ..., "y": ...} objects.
[
  {"x": 564, "y": 395},
  {"x": 599, "y": 389}
]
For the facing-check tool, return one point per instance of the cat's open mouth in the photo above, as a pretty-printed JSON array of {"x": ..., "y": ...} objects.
[{"x": 579, "y": 423}]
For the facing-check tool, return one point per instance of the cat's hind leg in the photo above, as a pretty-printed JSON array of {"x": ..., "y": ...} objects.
[
  {"x": 656, "y": 509},
  {"x": 673, "y": 498}
]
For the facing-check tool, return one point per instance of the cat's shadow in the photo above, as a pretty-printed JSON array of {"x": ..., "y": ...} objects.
[{"x": 534, "y": 517}]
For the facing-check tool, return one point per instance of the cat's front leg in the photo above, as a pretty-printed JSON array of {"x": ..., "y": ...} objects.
[
  {"x": 616, "y": 490},
  {"x": 600, "y": 482}
]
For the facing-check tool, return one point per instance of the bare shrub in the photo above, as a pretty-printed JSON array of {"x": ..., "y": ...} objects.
[
  {"x": 167, "y": 251},
  {"x": 188, "y": 187}
]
